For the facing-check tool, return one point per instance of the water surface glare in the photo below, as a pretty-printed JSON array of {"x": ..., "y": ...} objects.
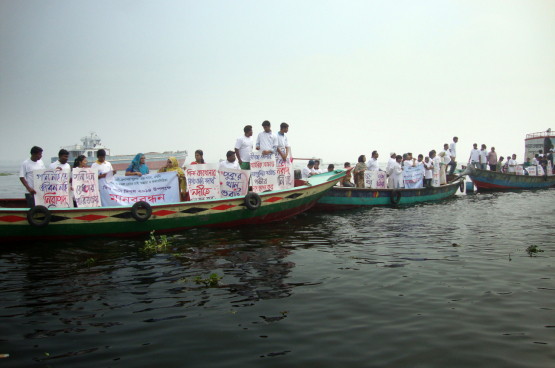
[{"x": 436, "y": 285}]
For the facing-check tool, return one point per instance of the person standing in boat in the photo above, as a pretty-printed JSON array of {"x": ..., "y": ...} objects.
[
  {"x": 173, "y": 165},
  {"x": 359, "y": 170},
  {"x": 267, "y": 142},
  {"x": 373, "y": 164},
  {"x": 447, "y": 159},
  {"x": 26, "y": 174},
  {"x": 103, "y": 166},
  {"x": 61, "y": 163},
  {"x": 428, "y": 172},
  {"x": 483, "y": 157},
  {"x": 474, "y": 158},
  {"x": 453, "y": 153},
  {"x": 306, "y": 172},
  {"x": 512, "y": 164},
  {"x": 442, "y": 168},
  {"x": 492, "y": 159},
  {"x": 284, "y": 149},
  {"x": 243, "y": 148},
  {"x": 231, "y": 162},
  {"x": 396, "y": 173},
  {"x": 499, "y": 167},
  {"x": 390, "y": 163},
  {"x": 137, "y": 166},
  {"x": 346, "y": 180},
  {"x": 408, "y": 161}
]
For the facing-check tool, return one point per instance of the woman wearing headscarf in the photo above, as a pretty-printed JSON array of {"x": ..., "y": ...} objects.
[
  {"x": 173, "y": 165},
  {"x": 137, "y": 167}
]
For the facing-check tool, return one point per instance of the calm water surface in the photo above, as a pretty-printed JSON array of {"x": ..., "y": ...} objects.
[{"x": 435, "y": 285}]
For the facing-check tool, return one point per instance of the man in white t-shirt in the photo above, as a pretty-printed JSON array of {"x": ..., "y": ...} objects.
[
  {"x": 447, "y": 157},
  {"x": 428, "y": 172},
  {"x": 316, "y": 169},
  {"x": 483, "y": 157},
  {"x": 373, "y": 164},
  {"x": 267, "y": 141},
  {"x": 306, "y": 172},
  {"x": 231, "y": 162},
  {"x": 26, "y": 174},
  {"x": 284, "y": 149},
  {"x": 388, "y": 168},
  {"x": 474, "y": 158},
  {"x": 453, "y": 152},
  {"x": 408, "y": 160},
  {"x": 512, "y": 164},
  {"x": 243, "y": 148},
  {"x": 396, "y": 173},
  {"x": 103, "y": 166},
  {"x": 61, "y": 163}
]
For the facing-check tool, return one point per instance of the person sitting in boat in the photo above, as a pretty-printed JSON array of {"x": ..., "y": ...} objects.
[
  {"x": 428, "y": 171},
  {"x": 231, "y": 162},
  {"x": 396, "y": 173},
  {"x": 512, "y": 165},
  {"x": 173, "y": 165},
  {"x": 103, "y": 166},
  {"x": 61, "y": 163},
  {"x": 499, "y": 167},
  {"x": 474, "y": 158},
  {"x": 373, "y": 164},
  {"x": 390, "y": 163},
  {"x": 199, "y": 160},
  {"x": 359, "y": 170},
  {"x": 331, "y": 167},
  {"x": 80, "y": 162},
  {"x": 243, "y": 148},
  {"x": 267, "y": 142},
  {"x": 306, "y": 172},
  {"x": 316, "y": 169},
  {"x": 137, "y": 166},
  {"x": 346, "y": 180},
  {"x": 26, "y": 174},
  {"x": 491, "y": 159}
]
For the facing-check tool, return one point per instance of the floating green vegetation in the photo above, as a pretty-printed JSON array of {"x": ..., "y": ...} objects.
[
  {"x": 5, "y": 174},
  {"x": 212, "y": 280},
  {"x": 89, "y": 262},
  {"x": 533, "y": 250},
  {"x": 152, "y": 245}
]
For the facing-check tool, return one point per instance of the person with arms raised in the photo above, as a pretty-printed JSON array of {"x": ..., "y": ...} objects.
[
  {"x": 243, "y": 148},
  {"x": 26, "y": 174}
]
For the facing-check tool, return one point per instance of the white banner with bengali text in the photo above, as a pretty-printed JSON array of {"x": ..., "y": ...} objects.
[
  {"x": 519, "y": 170},
  {"x": 540, "y": 170},
  {"x": 531, "y": 170},
  {"x": 549, "y": 168},
  {"x": 151, "y": 188},
  {"x": 263, "y": 172},
  {"x": 52, "y": 187},
  {"x": 284, "y": 170},
  {"x": 436, "y": 182},
  {"x": 203, "y": 181},
  {"x": 85, "y": 187},
  {"x": 413, "y": 177},
  {"x": 234, "y": 183},
  {"x": 375, "y": 179}
]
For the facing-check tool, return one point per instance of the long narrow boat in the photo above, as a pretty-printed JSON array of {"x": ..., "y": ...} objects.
[
  {"x": 339, "y": 198},
  {"x": 492, "y": 180},
  {"x": 15, "y": 224}
]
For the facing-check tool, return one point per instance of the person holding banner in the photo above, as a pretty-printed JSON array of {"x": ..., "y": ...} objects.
[
  {"x": 103, "y": 166},
  {"x": 231, "y": 162},
  {"x": 199, "y": 158},
  {"x": 61, "y": 162},
  {"x": 512, "y": 165},
  {"x": 243, "y": 148},
  {"x": 26, "y": 174},
  {"x": 80, "y": 162},
  {"x": 267, "y": 142},
  {"x": 137, "y": 166},
  {"x": 284, "y": 148},
  {"x": 428, "y": 174},
  {"x": 396, "y": 173},
  {"x": 173, "y": 165}
]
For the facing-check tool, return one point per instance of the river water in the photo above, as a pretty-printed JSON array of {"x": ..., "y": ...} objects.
[{"x": 447, "y": 284}]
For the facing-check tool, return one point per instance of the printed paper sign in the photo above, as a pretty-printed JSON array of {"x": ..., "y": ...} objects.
[
  {"x": 549, "y": 168},
  {"x": 234, "y": 183},
  {"x": 284, "y": 171},
  {"x": 540, "y": 170},
  {"x": 381, "y": 179},
  {"x": 413, "y": 177},
  {"x": 531, "y": 170},
  {"x": 151, "y": 188},
  {"x": 85, "y": 187},
  {"x": 203, "y": 182},
  {"x": 263, "y": 172},
  {"x": 435, "y": 172},
  {"x": 374, "y": 179},
  {"x": 52, "y": 187},
  {"x": 519, "y": 170}
]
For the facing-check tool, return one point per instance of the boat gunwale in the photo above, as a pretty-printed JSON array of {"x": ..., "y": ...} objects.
[{"x": 455, "y": 182}]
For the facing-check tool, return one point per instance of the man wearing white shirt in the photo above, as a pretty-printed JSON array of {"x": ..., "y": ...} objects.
[
  {"x": 448, "y": 158},
  {"x": 230, "y": 163},
  {"x": 453, "y": 152},
  {"x": 397, "y": 173},
  {"x": 243, "y": 148},
  {"x": 483, "y": 158},
  {"x": 26, "y": 174},
  {"x": 284, "y": 149},
  {"x": 408, "y": 161},
  {"x": 436, "y": 161},
  {"x": 428, "y": 172},
  {"x": 373, "y": 164},
  {"x": 512, "y": 164},
  {"x": 316, "y": 169},
  {"x": 103, "y": 166},
  {"x": 267, "y": 142},
  {"x": 61, "y": 163},
  {"x": 474, "y": 158},
  {"x": 388, "y": 168},
  {"x": 306, "y": 172}
]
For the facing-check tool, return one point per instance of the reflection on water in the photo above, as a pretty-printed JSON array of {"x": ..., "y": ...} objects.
[{"x": 445, "y": 284}]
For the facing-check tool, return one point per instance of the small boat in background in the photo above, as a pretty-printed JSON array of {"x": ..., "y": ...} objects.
[{"x": 493, "y": 180}]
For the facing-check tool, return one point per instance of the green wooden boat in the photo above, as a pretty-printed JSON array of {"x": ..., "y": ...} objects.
[
  {"x": 339, "y": 198},
  {"x": 18, "y": 224}
]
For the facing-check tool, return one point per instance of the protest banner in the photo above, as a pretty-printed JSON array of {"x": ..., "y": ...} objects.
[
  {"x": 85, "y": 187},
  {"x": 381, "y": 180},
  {"x": 435, "y": 175},
  {"x": 234, "y": 183},
  {"x": 151, "y": 188},
  {"x": 540, "y": 171},
  {"x": 284, "y": 170},
  {"x": 549, "y": 168},
  {"x": 519, "y": 170},
  {"x": 52, "y": 187},
  {"x": 371, "y": 179},
  {"x": 203, "y": 181},
  {"x": 413, "y": 177},
  {"x": 531, "y": 170},
  {"x": 263, "y": 172}
]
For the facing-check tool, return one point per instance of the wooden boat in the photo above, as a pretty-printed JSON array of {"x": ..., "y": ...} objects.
[
  {"x": 339, "y": 198},
  {"x": 492, "y": 180},
  {"x": 16, "y": 223}
]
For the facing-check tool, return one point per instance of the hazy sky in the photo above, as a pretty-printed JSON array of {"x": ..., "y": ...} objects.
[{"x": 348, "y": 77}]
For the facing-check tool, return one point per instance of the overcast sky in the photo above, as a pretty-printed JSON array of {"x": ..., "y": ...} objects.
[{"x": 348, "y": 77}]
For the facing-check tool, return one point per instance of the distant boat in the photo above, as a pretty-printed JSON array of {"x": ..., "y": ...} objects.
[
  {"x": 91, "y": 144},
  {"x": 493, "y": 180},
  {"x": 535, "y": 142}
]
